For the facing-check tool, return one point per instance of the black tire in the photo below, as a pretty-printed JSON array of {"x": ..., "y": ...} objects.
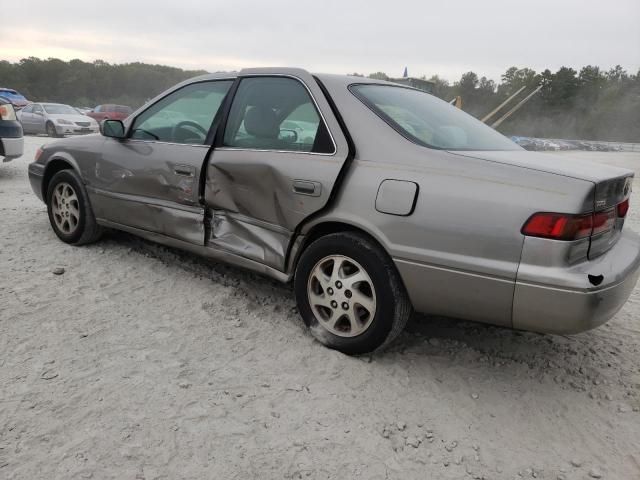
[
  {"x": 51, "y": 130},
  {"x": 393, "y": 307},
  {"x": 86, "y": 229}
]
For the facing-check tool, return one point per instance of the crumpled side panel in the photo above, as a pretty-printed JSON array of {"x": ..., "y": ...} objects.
[
  {"x": 184, "y": 224},
  {"x": 249, "y": 239}
]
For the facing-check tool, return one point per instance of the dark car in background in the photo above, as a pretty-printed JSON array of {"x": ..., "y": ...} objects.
[
  {"x": 11, "y": 142},
  {"x": 110, "y": 112},
  {"x": 14, "y": 97}
]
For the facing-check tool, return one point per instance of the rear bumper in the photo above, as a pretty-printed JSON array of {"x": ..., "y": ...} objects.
[
  {"x": 564, "y": 300},
  {"x": 36, "y": 174},
  {"x": 11, "y": 148}
]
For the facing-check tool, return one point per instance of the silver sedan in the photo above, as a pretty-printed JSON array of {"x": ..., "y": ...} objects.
[
  {"x": 375, "y": 199},
  {"x": 56, "y": 120}
]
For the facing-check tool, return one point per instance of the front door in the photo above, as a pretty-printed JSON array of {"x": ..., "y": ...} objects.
[
  {"x": 150, "y": 180},
  {"x": 274, "y": 164}
]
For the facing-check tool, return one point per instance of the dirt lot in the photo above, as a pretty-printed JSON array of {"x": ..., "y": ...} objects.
[{"x": 142, "y": 362}]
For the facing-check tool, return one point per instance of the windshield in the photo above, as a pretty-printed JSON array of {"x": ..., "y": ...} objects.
[
  {"x": 12, "y": 94},
  {"x": 429, "y": 121},
  {"x": 54, "y": 109}
]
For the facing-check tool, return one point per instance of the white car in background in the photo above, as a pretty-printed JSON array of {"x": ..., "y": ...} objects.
[{"x": 56, "y": 120}]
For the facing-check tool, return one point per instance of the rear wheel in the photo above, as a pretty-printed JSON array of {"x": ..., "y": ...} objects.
[
  {"x": 70, "y": 212},
  {"x": 349, "y": 293}
]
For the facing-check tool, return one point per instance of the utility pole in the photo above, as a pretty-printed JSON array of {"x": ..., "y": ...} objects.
[
  {"x": 499, "y": 107},
  {"x": 456, "y": 102},
  {"x": 516, "y": 108}
]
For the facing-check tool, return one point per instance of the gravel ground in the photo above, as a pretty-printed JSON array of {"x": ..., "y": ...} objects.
[{"x": 143, "y": 362}]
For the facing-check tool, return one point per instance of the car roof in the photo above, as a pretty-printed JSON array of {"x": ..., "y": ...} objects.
[{"x": 335, "y": 78}]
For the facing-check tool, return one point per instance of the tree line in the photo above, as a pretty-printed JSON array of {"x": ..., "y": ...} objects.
[
  {"x": 588, "y": 104},
  {"x": 84, "y": 84}
]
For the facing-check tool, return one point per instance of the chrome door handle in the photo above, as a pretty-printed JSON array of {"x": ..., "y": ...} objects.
[{"x": 307, "y": 187}]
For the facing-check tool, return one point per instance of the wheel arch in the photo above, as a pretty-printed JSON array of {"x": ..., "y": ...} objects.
[
  {"x": 54, "y": 165},
  {"x": 326, "y": 226}
]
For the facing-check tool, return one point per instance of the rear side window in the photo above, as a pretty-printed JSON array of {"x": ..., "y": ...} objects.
[
  {"x": 276, "y": 113},
  {"x": 429, "y": 121},
  {"x": 122, "y": 109}
]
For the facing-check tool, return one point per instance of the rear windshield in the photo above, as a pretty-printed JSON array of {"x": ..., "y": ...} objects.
[
  {"x": 429, "y": 121},
  {"x": 12, "y": 94},
  {"x": 122, "y": 109},
  {"x": 54, "y": 109}
]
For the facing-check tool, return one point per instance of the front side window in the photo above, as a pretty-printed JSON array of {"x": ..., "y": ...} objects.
[
  {"x": 276, "y": 113},
  {"x": 98, "y": 109},
  {"x": 184, "y": 116},
  {"x": 429, "y": 121}
]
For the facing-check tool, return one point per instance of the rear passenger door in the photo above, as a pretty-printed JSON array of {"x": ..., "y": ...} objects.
[{"x": 275, "y": 163}]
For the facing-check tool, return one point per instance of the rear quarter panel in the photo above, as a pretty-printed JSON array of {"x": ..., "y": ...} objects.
[{"x": 458, "y": 252}]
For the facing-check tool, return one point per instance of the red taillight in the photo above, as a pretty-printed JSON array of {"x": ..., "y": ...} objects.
[
  {"x": 37, "y": 155},
  {"x": 564, "y": 226},
  {"x": 623, "y": 208},
  {"x": 558, "y": 226}
]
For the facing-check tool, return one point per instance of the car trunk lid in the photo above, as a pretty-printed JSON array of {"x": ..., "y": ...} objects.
[{"x": 551, "y": 163}]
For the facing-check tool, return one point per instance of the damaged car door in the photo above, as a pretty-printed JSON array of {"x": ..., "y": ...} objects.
[
  {"x": 275, "y": 163},
  {"x": 150, "y": 179}
]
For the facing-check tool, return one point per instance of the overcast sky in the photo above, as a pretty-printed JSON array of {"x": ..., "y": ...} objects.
[{"x": 429, "y": 37}]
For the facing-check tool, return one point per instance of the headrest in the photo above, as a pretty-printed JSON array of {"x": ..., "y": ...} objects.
[{"x": 261, "y": 122}]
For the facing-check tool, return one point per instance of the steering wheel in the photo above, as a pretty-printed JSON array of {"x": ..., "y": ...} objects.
[{"x": 187, "y": 123}]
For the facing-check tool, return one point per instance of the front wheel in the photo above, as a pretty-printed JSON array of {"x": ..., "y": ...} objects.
[
  {"x": 70, "y": 212},
  {"x": 51, "y": 130},
  {"x": 349, "y": 293}
]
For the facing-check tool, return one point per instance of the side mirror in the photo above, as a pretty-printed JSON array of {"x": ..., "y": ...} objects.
[{"x": 112, "y": 128}]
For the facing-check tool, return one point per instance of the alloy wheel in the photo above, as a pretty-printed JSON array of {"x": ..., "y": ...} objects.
[
  {"x": 341, "y": 295},
  {"x": 65, "y": 208}
]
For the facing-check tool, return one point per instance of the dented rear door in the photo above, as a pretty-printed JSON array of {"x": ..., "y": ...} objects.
[{"x": 275, "y": 163}]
